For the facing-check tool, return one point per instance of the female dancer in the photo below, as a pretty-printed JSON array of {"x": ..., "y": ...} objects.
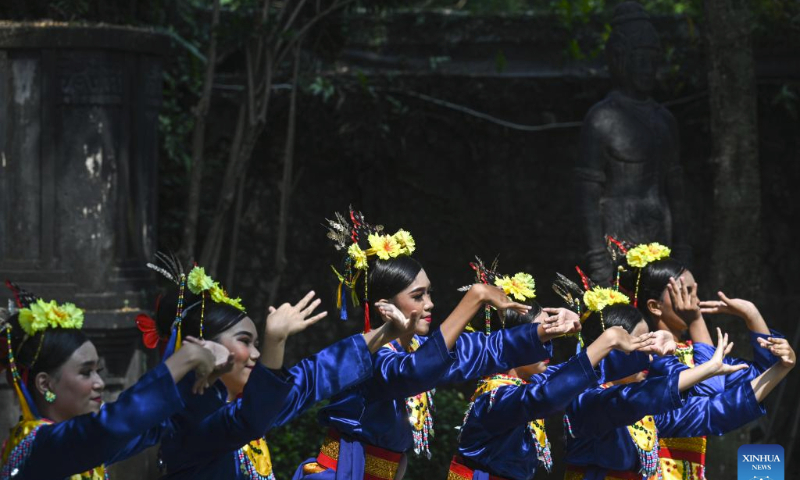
[
  {"x": 503, "y": 434},
  {"x": 614, "y": 429},
  {"x": 373, "y": 426},
  {"x": 667, "y": 296},
  {"x": 65, "y": 427},
  {"x": 219, "y": 435}
]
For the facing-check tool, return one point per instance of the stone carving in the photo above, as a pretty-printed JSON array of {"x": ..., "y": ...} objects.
[{"x": 628, "y": 176}]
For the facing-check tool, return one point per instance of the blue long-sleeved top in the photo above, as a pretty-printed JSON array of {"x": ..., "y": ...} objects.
[
  {"x": 375, "y": 411},
  {"x": 599, "y": 418},
  {"x": 205, "y": 436},
  {"x": 762, "y": 360},
  {"x": 495, "y": 435},
  {"x": 118, "y": 430}
]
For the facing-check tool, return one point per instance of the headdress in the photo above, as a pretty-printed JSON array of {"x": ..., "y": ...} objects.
[
  {"x": 360, "y": 241},
  {"x": 521, "y": 286},
  {"x": 638, "y": 257},
  {"x": 35, "y": 317},
  {"x": 593, "y": 298},
  {"x": 198, "y": 283}
]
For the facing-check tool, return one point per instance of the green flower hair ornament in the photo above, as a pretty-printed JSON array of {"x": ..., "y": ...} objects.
[
  {"x": 42, "y": 315},
  {"x": 198, "y": 282}
]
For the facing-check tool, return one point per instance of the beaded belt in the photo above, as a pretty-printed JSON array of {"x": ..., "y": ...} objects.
[
  {"x": 459, "y": 471},
  {"x": 379, "y": 464},
  {"x": 575, "y": 472}
]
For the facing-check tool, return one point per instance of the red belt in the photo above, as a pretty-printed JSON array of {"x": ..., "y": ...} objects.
[{"x": 459, "y": 471}]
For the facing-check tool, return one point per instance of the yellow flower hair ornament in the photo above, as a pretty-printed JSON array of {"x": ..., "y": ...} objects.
[
  {"x": 521, "y": 286},
  {"x": 599, "y": 298},
  {"x": 642, "y": 255},
  {"x": 199, "y": 283},
  {"x": 41, "y": 315},
  {"x": 347, "y": 235}
]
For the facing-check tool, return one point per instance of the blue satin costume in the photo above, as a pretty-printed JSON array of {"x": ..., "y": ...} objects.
[
  {"x": 374, "y": 413},
  {"x": 598, "y": 438},
  {"x": 762, "y": 360},
  {"x": 119, "y": 430},
  {"x": 495, "y": 438},
  {"x": 205, "y": 437}
]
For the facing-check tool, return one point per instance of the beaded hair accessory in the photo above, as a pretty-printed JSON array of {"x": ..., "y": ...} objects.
[
  {"x": 521, "y": 286},
  {"x": 361, "y": 240},
  {"x": 35, "y": 317},
  {"x": 638, "y": 257},
  {"x": 198, "y": 283}
]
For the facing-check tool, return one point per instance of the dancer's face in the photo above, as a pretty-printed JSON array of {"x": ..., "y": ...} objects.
[
  {"x": 417, "y": 297},
  {"x": 242, "y": 341},
  {"x": 77, "y": 385},
  {"x": 668, "y": 315}
]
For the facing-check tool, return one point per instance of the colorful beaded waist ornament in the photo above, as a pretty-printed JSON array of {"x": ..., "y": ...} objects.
[{"x": 35, "y": 318}]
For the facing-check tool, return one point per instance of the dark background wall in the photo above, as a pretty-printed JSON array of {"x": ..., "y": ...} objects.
[{"x": 464, "y": 185}]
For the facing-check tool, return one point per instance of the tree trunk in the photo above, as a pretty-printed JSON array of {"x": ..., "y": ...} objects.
[
  {"x": 736, "y": 245},
  {"x": 198, "y": 145},
  {"x": 287, "y": 185},
  {"x": 736, "y": 249}
]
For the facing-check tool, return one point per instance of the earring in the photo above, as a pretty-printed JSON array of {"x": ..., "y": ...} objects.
[{"x": 49, "y": 396}]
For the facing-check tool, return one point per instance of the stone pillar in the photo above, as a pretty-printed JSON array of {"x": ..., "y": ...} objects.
[{"x": 78, "y": 165}]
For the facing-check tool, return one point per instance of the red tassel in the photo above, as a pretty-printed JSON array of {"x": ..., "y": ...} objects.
[
  {"x": 617, "y": 243},
  {"x": 367, "y": 326},
  {"x": 584, "y": 278}
]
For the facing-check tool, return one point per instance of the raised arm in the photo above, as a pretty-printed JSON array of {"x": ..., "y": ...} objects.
[{"x": 86, "y": 441}]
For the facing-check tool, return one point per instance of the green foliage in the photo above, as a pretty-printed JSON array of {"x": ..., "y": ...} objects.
[
  {"x": 293, "y": 443},
  {"x": 323, "y": 87}
]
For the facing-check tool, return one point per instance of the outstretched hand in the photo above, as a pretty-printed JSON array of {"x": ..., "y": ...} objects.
[
  {"x": 498, "y": 299},
  {"x": 625, "y": 342},
  {"x": 717, "y": 360},
  {"x": 287, "y": 320},
  {"x": 780, "y": 348},
  {"x": 663, "y": 343},
  {"x": 732, "y": 306},
  {"x": 561, "y": 321}
]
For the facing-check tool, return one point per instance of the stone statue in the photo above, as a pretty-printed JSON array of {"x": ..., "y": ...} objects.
[{"x": 628, "y": 174}]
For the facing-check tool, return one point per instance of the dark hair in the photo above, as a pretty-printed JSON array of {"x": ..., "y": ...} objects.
[
  {"x": 387, "y": 278},
  {"x": 513, "y": 319},
  {"x": 217, "y": 317},
  {"x": 625, "y": 316},
  {"x": 57, "y": 346},
  {"x": 652, "y": 282}
]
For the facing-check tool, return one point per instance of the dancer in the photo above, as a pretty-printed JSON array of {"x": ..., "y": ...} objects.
[
  {"x": 66, "y": 431},
  {"x": 220, "y": 434},
  {"x": 503, "y": 434},
  {"x": 374, "y": 426},
  {"x": 614, "y": 429}
]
